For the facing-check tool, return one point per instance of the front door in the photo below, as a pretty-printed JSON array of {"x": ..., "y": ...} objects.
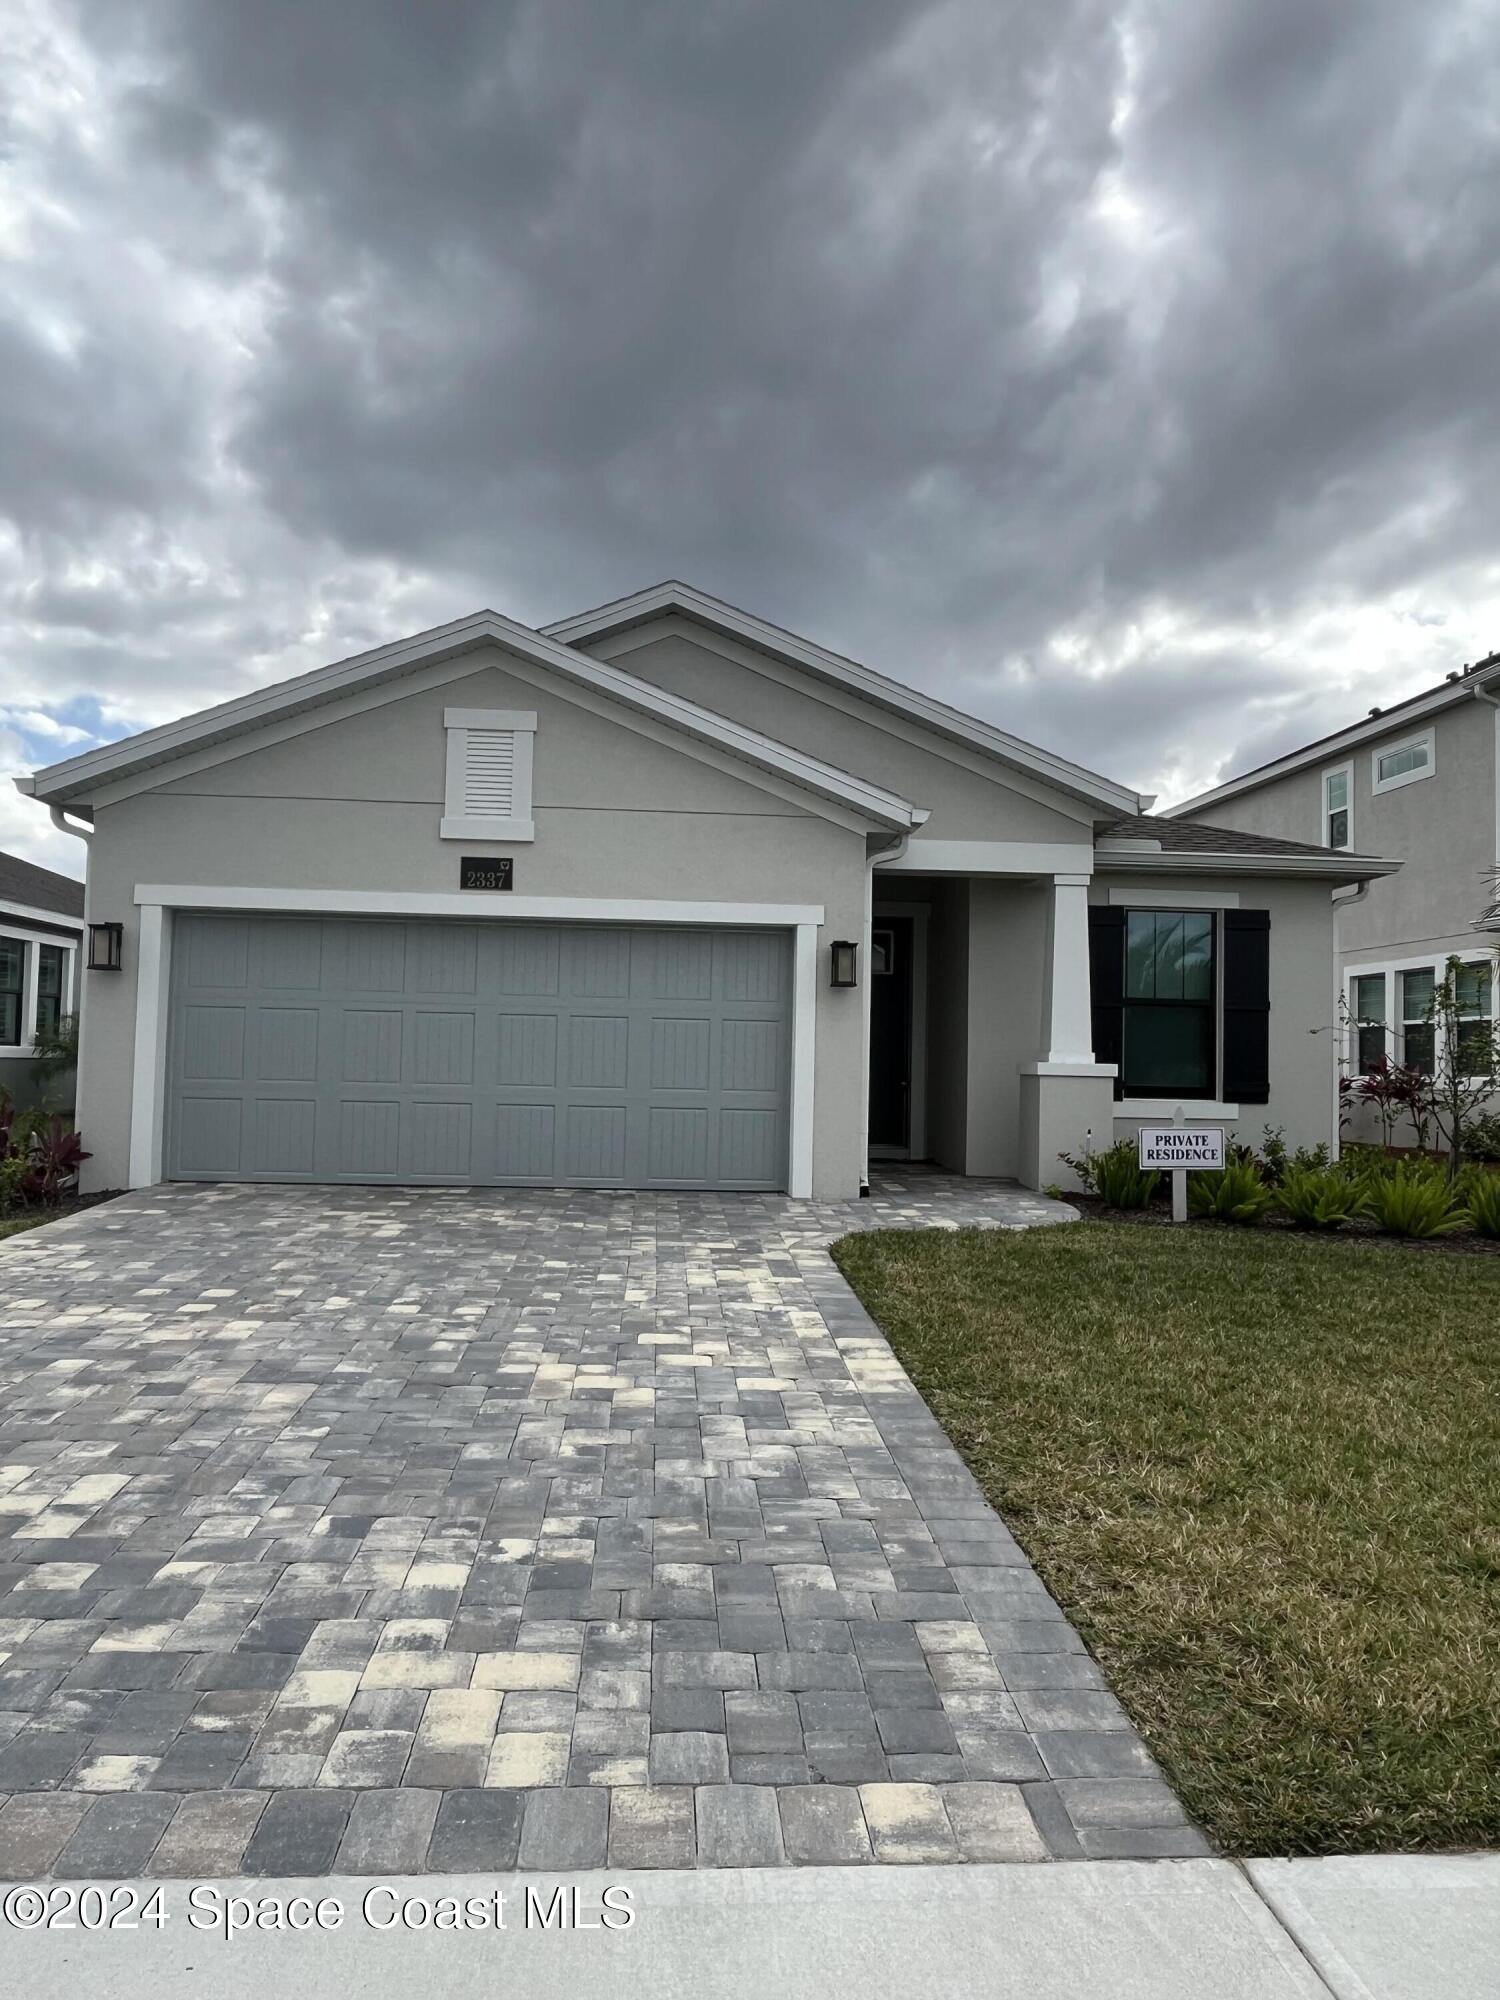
[{"x": 890, "y": 1033}]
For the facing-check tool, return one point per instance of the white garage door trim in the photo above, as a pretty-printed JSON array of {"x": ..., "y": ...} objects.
[{"x": 156, "y": 903}]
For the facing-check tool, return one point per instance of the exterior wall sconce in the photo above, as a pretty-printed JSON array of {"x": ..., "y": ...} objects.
[
  {"x": 106, "y": 947},
  {"x": 843, "y": 956}
]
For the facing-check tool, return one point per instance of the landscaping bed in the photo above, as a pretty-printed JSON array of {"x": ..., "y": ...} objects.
[
  {"x": 1361, "y": 1229},
  {"x": 1260, "y": 1471},
  {"x": 18, "y": 1220}
]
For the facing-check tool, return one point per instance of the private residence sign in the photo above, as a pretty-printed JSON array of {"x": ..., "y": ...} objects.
[{"x": 1181, "y": 1148}]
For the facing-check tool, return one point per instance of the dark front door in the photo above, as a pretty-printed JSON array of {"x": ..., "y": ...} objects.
[{"x": 890, "y": 1032}]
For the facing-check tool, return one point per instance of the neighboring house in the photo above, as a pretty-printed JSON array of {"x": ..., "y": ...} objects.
[
  {"x": 663, "y": 896},
  {"x": 1420, "y": 779},
  {"x": 41, "y": 928}
]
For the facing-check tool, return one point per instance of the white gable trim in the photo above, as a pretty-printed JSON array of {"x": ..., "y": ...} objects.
[
  {"x": 77, "y": 779},
  {"x": 936, "y": 715}
]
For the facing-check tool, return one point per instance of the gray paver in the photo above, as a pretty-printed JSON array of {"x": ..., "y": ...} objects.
[{"x": 468, "y": 1505}]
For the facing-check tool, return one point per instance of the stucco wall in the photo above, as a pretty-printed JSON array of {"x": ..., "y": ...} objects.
[
  {"x": 1443, "y": 830},
  {"x": 855, "y": 735},
  {"x": 1304, "y": 1039},
  {"x": 356, "y": 804}
]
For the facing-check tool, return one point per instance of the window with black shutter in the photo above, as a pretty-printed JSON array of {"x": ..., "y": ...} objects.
[{"x": 1181, "y": 1001}]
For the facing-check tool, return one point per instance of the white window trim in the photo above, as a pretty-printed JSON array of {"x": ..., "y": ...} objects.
[
  {"x": 1422, "y": 736},
  {"x": 458, "y": 825},
  {"x": 1395, "y": 1024},
  {"x": 157, "y": 902},
  {"x": 1346, "y": 772},
  {"x": 30, "y": 972}
]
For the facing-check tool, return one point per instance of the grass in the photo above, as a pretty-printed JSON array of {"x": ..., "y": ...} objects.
[
  {"x": 1262, "y": 1476},
  {"x": 12, "y": 1225}
]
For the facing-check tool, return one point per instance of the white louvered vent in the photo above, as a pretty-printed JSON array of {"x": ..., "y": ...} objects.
[
  {"x": 488, "y": 790},
  {"x": 490, "y": 771}
]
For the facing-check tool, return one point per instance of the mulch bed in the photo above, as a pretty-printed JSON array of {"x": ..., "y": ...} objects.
[{"x": 1159, "y": 1216}]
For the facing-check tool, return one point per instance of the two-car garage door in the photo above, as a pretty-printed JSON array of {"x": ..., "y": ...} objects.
[{"x": 346, "y": 1049}]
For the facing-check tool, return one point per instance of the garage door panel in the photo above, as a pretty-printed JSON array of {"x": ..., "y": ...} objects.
[
  {"x": 598, "y": 1048},
  {"x": 213, "y": 1044},
  {"x": 438, "y": 1141},
  {"x": 289, "y": 957},
  {"x": 525, "y": 1143},
  {"x": 443, "y": 958},
  {"x": 680, "y": 1053},
  {"x": 369, "y": 1138},
  {"x": 594, "y": 1142},
  {"x": 526, "y": 1051},
  {"x": 209, "y": 1130},
  {"x": 749, "y": 1145},
  {"x": 287, "y": 1045},
  {"x": 284, "y": 1136},
  {"x": 489, "y": 1052},
  {"x": 442, "y": 1048},
  {"x": 371, "y": 1045}
]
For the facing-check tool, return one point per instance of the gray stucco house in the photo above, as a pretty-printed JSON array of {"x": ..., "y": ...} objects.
[
  {"x": 1420, "y": 779},
  {"x": 573, "y": 906},
  {"x": 41, "y": 929}
]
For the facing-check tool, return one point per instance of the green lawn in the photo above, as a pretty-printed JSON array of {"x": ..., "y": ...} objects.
[
  {"x": 1262, "y": 1475},
  {"x": 12, "y": 1225}
]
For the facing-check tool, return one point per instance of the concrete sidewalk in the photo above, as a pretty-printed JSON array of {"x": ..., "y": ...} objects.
[{"x": 1186, "y": 1930}]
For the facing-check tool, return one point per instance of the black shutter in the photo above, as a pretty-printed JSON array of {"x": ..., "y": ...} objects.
[
  {"x": 1247, "y": 1006},
  {"x": 1107, "y": 984}
]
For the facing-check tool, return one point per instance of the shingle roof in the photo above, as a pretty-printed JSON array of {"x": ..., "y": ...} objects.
[
  {"x": 23, "y": 882},
  {"x": 1196, "y": 836}
]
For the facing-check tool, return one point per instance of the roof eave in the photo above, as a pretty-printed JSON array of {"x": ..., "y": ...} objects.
[{"x": 1318, "y": 867}]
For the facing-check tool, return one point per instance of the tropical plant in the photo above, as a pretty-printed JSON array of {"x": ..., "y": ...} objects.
[
  {"x": 1482, "y": 1199},
  {"x": 54, "y": 1048},
  {"x": 1410, "y": 1199},
  {"x": 1236, "y": 1194},
  {"x": 1482, "y": 1136},
  {"x": 1115, "y": 1175},
  {"x": 1276, "y": 1162},
  {"x": 1320, "y": 1197},
  {"x": 40, "y": 1155}
]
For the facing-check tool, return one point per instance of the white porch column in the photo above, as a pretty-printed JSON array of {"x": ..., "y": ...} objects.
[
  {"x": 1066, "y": 1098},
  {"x": 1067, "y": 1024}
]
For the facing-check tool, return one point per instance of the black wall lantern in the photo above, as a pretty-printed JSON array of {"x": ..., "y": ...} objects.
[
  {"x": 106, "y": 947},
  {"x": 843, "y": 955}
]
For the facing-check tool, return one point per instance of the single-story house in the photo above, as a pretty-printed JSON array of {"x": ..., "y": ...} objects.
[
  {"x": 41, "y": 928},
  {"x": 662, "y": 896}
]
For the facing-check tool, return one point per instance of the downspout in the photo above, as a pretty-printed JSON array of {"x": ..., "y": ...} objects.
[
  {"x": 1340, "y": 904},
  {"x": 888, "y": 851},
  {"x": 1493, "y": 701},
  {"x": 66, "y": 825}
]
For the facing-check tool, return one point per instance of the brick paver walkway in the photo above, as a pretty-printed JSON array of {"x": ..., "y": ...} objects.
[{"x": 389, "y": 1529}]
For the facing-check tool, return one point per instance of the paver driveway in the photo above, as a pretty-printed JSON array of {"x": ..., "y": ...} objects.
[{"x": 383, "y": 1529}]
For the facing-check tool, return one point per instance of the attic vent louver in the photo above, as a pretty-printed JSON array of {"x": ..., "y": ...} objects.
[{"x": 488, "y": 790}]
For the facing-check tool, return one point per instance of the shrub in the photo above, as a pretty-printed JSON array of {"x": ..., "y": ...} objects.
[
  {"x": 1482, "y": 1196},
  {"x": 1115, "y": 1175},
  {"x": 1320, "y": 1197},
  {"x": 1238, "y": 1194},
  {"x": 1413, "y": 1199},
  {"x": 39, "y": 1156},
  {"x": 1482, "y": 1136}
]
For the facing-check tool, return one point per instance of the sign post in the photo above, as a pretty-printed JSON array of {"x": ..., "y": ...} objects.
[{"x": 1179, "y": 1149}]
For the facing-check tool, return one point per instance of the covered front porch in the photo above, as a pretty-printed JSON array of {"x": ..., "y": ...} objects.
[{"x": 980, "y": 1044}]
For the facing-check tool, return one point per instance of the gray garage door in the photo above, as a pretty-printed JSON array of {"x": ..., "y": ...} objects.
[{"x": 340, "y": 1049}]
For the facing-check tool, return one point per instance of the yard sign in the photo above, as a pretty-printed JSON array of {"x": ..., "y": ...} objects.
[{"x": 1177, "y": 1150}]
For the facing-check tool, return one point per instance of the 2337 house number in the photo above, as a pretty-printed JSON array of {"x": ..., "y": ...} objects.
[{"x": 485, "y": 871}]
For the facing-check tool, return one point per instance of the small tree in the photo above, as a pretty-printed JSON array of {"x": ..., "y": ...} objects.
[{"x": 1465, "y": 1058}]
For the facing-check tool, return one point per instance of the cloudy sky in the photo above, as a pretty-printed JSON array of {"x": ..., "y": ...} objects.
[{"x": 1124, "y": 371}]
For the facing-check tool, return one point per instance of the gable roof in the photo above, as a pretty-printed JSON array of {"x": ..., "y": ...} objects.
[
  {"x": 665, "y": 599},
  {"x": 76, "y": 779},
  {"x": 1140, "y": 840},
  {"x": 1458, "y": 687},
  {"x": 25, "y": 885}
]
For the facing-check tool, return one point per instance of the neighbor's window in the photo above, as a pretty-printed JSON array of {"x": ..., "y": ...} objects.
[
  {"x": 1168, "y": 1026},
  {"x": 1402, "y": 763},
  {"x": 1473, "y": 986},
  {"x": 51, "y": 962},
  {"x": 1367, "y": 997},
  {"x": 12, "y": 983},
  {"x": 1336, "y": 829},
  {"x": 1417, "y": 989}
]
